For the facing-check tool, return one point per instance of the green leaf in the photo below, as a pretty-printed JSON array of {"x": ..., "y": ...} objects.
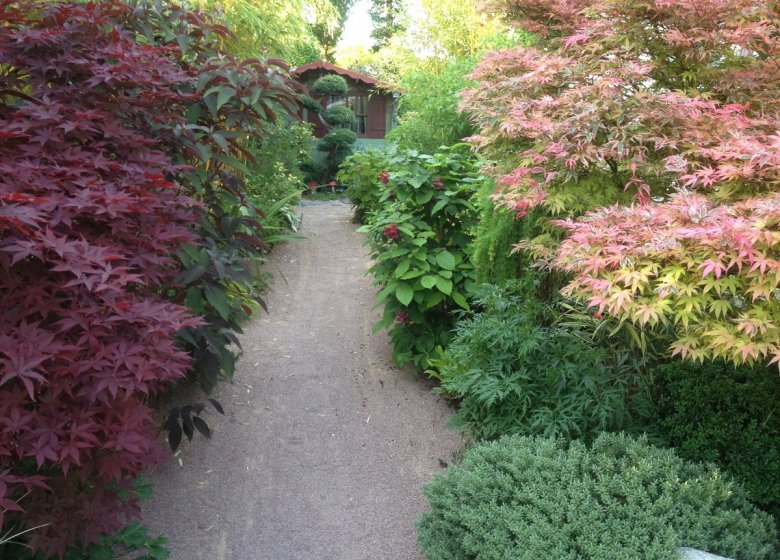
[
  {"x": 218, "y": 298},
  {"x": 402, "y": 267},
  {"x": 458, "y": 298},
  {"x": 404, "y": 293},
  {"x": 439, "y": 205},
  {"x": 428, "y": 282},
  {"x": 224, "y": 95},
  {"x": 446, "y": 260},
  {"x": 232, "y": 162},
  {"x": 423, "y": 197},
  {"x": 444, "y": 285},
  {"x": 201, "y": 426}
]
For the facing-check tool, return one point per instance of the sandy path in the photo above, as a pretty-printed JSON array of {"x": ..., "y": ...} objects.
[{"x": 326, "y": 445}]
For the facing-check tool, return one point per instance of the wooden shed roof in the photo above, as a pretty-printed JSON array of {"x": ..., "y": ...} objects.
[{"x": 328, "y": 67}]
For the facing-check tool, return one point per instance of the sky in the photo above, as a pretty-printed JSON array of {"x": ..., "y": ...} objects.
[{"x": 357, "y": 29}]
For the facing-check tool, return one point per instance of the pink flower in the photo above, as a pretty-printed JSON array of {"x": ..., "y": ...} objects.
[
  {"x": 438, "y": 183},
  {"x": 384, "y": 177},
  {"x": 391, "y": 232}
]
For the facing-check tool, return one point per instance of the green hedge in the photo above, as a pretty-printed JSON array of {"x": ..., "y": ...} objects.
[
  {"x": 523, "y": 498},
  {"x": 715, "y": 412}
]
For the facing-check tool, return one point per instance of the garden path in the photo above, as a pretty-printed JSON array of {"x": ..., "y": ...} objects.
[{"x": 326, "y": 445}]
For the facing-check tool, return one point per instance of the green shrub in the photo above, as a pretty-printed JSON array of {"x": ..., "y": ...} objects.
[
  {"x": 276, "y": 174},
  {"x": 337, "y": 139},
  {"x": 339, "y": 116},
  {"x": 523, "y": 498},
  {"x": 495, "y": 238},
  {"x": 418, "y": 241},
  {"x": 330, "y": 84},
  {"x": 311, "y": 104},
  {"x": 515, "y": 376},
  {"x": 360, "y": 173},
  {"x": 428, "y": 112},
  {"x": 338, "y": 144},
  {"x": 715, "y": 412}
]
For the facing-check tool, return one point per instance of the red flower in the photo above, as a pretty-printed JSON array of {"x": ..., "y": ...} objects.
[
  {"x": 384, "y": 177},
  {"x": 598, "y": 315},
  {"x": 391, "y": 232},
  {"x": 403, "y": 318},
  {"x": 438, "y": 183}
]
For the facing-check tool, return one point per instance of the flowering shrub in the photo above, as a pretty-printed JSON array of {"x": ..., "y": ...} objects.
[
  {"x": 418, "y": 239},
  {"x": 359, "y": 174},
  {"x": 673, "y": 103}
]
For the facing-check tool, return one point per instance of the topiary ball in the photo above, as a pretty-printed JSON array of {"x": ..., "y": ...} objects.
[
  {"x": 339, "y": 116},
  {"x": 311, "y": 104},
  {"x": 526, "y": 498},
  {"x": 339, "y": 138},
  {"x": 330, "y": 84}
]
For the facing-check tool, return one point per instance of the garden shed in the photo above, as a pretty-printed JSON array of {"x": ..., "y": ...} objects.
[{"x": 373, "y": 103}]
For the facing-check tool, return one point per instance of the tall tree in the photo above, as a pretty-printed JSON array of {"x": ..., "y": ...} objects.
[
  {"x": 387, "y": 17},
  {"x": 328, "y": 30}
]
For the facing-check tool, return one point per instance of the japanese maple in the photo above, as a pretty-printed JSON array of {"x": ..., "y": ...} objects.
[
  {"x": 89, "y": 219},
  {"x": 666, "y": 114}
]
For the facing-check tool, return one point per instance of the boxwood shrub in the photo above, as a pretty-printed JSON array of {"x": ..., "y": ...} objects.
[
  {"x": 526, "y": 498},
  {"x": 716, "y": 412}
]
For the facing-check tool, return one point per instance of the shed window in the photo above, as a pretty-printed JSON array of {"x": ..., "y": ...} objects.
[{"x": 359, "y": 106}]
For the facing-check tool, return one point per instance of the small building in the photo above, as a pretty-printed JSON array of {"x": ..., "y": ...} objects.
[{"x": 374, "y": 105}]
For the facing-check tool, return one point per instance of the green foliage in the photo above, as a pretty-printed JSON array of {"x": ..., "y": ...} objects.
[
  {"x": 360, "y": 172},
  {"x": 338, "y": 144},
  {"x": 428, "y": 110},
  {"x": 515, "y": 376},
  {"x": 311, "y": 104},
  {"x": 494, "y": 241},
  {"x": 418, "y": 241},
  {"x": 277, "y": 28},
  {"x": 276, "y": 174},
  {"x": 524, "y": 498},
  {"x": 339, "y": 116},
  {"x": 715, "y": 412},
  {"x": 387, "y": 17},
  {"x": 330, "y": 84}
]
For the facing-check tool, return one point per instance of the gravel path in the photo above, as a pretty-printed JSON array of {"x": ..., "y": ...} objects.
[{"x": 325, "y": 445}]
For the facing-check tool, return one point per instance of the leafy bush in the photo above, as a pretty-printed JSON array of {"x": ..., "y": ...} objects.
[
  {"x": 88, "y": 223},
  {"x": 339, "y": 116},
  {"x": 338, "y": 145},
  {"x": 530, "y": 498},
  {"x": 515, "y": 376},
  {"x": 495, "y": 258},
  {"x": 715, "y": 412},
  {"x": 418, "y": 242},
  {"x": 361, "y": 173},
  {"x": 330, "y": 84},
  {"x": 428, "y": 115},
  {"x": 694, "y": 143},
  {"x": 276, "y": 175},
  {"x": 98, "y": 312}
]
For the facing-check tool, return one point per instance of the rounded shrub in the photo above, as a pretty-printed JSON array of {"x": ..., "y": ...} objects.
[
  {"x": 336, "y": 139},
  {"x": 716, "y": 412},
  {"x": 525, "y": 498},
  {"x": 311, "y": 104},
  {"x": 330, "y": 84},
  {"x": 339, "y": 116}
]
